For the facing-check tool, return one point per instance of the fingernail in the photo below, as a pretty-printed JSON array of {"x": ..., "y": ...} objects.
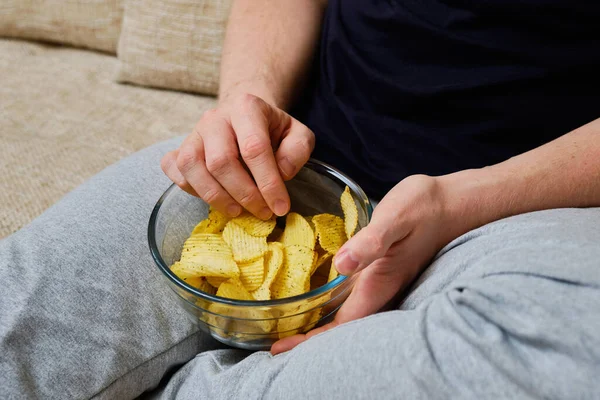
[
  {"x": 234, "y": 210},
  {"x": 345, "y": 263},
  {"x": 287, "y": 168},
  {"x": 280, "y": 207},
  {"x": 265, "y": 213}
]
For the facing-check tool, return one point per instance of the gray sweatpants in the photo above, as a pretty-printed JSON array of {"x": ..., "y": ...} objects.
[{"x": 510, "y": 310}]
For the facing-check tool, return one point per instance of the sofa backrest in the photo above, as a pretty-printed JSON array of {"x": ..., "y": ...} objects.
[
  {"x": 94, "y": 24},
  {"x": 170, "y": 44},
  {"x": 173, "y": 44}
]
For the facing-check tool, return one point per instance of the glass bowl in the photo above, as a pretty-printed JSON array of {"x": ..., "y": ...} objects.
[{"x": 255, "y": 325}]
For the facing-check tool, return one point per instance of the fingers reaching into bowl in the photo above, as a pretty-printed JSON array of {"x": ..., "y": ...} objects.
[{"x": 239, "y": 156}]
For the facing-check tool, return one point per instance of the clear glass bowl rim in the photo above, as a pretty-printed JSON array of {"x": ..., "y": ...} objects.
[{"x": 313, "y": 164}]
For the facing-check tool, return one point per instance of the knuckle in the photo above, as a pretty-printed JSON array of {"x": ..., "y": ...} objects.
[
  {"x": 219, "y": 163},
  {"x": 248, "y": 197},
  {"x": 207, "y": 118},
  {"x": 208, "y": 114},
  {"x": 248, "y": 99},
  {"x": 186, "y": 160},
  {"x": 376, "y": 243},
  {"x": 306, "y": 143},
  {"x": 268, "y": 185},
  {"x": 254, "y": 147},
  {"x": 166, "y": 161},
  {"x": 210, "y": 195},
  {"x": 249, "y": 102},
  {"x": 310, "y": 140}
]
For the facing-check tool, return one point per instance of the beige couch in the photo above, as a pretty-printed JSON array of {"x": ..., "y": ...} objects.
[{"x": 65, "y": 111}]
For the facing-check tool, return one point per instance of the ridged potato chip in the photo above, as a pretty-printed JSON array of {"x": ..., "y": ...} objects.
[
  {"x": 294, "y": 277},
  {"x": 233, "y": 289},
  {"x": 244, "y": 246},
  {"x": 321, "y": 259},
  {"x": 214, "y": 223},
  {"x": 183, "y": 273},
  {"x": 298, "y": 320},
  {"x": 255, "y": 226},
  {"x": 201, "y": 284},
  {"x": 215, "y": 281},
  {"x": 350, "y": 212},
  {"x": 252, "y": 273},
  {"x": 298, "y": 232},
  {"x": 273, "y": 264},
  {"x": 330, "y": 231},
  {"x": 206, "y": 254},
  {"x": 333, "y": 273}
]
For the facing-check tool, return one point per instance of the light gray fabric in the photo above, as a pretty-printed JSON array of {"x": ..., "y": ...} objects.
[
  {"x": 508, "y": 311},
  {"x": 83, "y": 310}
]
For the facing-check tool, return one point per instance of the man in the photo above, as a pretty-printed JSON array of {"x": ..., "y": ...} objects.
[
  {"x": 403, "y": 88},
  {"x": 456, "y": 114}
]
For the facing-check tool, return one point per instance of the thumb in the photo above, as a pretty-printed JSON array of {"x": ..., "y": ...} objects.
[{"x": 370, "y": 243}]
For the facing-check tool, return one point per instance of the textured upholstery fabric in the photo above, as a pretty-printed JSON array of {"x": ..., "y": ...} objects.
[
  {"x": 84, "y": 23},
  {"x": 63, "y": 119},
  {"x": 173, "y": 44}
]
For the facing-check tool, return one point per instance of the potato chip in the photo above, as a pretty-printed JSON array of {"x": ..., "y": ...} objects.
[
  {"x": 294, "y": 277},
  {"x": 215, "y": 281},
  {"x": 233, "y": 289},
  {"x": 333, "y": 273},
  {"x": 214, "y": 223},
  {"x": 273, "y": 263},
  {"x": 255, "y": 226},
  {"x": 330, "y": 232},
  {"x": 301, "y": 319},
  {"x": 313, "y": 320},
  {"x": 298, "y": 232},
  {"x": 183, "y": 273},
  {"x": 262, "y": 320},
  {"x": 252, "y": 273},
  {"x": 350, "y": 212},
  {"x": 201, "y": 284},
  {"x": 244, "y": 246},
  {"x": 206, "y": 254},
  {"x": 321, "y": 259}
]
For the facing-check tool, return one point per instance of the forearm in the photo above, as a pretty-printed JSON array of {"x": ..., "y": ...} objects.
[
  {"x": 268, "y": 48},
  {"x": 562, "y": 173}
]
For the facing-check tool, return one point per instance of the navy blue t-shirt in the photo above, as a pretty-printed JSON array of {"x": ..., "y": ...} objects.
[{"x": 423, "y": 86}]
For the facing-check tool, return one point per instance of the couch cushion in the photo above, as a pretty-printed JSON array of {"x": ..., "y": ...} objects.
[
  {"x": 63, "y": 119},
  {"x": 173, "y": 44},
  {"x": 86, "y": 23}
]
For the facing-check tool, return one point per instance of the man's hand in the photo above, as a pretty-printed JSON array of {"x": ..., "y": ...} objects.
[
  {"x": 409, "y": 226},
  {"x": 422, "y": 214},
  {"x": 239, "y": 156}
]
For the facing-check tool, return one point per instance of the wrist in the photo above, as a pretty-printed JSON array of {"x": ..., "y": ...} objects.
[
  {"x": 261, "y": 89},
  {"x": 473, "y": 198}
]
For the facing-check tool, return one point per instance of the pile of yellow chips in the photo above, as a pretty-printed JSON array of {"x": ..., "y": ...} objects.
[{"x": 246, "y": 258}]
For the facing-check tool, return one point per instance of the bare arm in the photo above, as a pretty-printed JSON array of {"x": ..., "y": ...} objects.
[
  {"x": 422, "y": 214},
  {"x": 267, "y": 53},
  {"x": 562, "y": 173},
  {"x": 268, "y": 48}
]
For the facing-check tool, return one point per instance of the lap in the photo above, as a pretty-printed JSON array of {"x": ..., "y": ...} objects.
[
  {"x": 83, "y": 310},
  {"x": 506, "y": 311}
]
